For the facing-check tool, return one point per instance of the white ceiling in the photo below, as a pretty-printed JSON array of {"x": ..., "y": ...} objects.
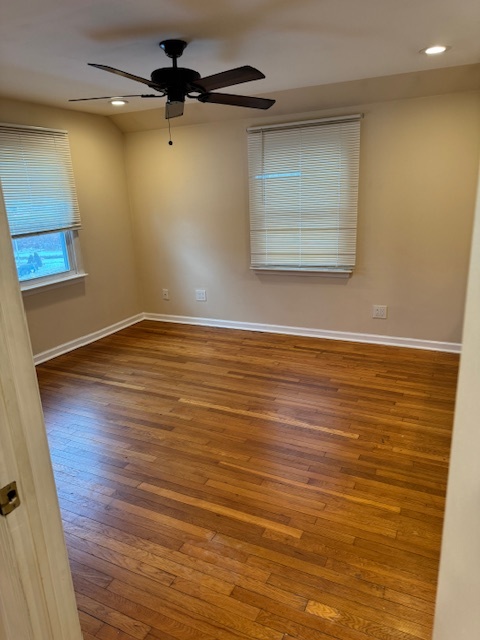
[{"x": 45, "y": 45}]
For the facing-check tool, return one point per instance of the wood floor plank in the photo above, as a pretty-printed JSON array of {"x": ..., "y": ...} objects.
[
  {"x": 318, "y": 590},
  {"x": 111, "y": 615},
  {"x": 199, "y": 607},
  {"x": 218, "y": 509},
  {"x": 89, "y": 624},
  {"x": 227, "y": 485},
  {"x": 166, "y": 560},
  {"x": 361, "y": 617},
  {"x": 111, "y": 633}
]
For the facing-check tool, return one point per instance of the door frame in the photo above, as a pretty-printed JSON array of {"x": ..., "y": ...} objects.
[{"x": 37, "y": 599}]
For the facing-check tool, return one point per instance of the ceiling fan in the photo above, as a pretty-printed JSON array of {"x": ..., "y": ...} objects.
[{"x": 177, "y": 83}]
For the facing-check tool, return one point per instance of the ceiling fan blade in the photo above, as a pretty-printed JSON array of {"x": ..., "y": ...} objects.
[
  {"x": 131, "y": 95},
  {"x": 118, "y": 72},
  {"x": 229, "y": 78},
  {"x": 174, "y": 109},
  {"x": 237, "y": 101}
]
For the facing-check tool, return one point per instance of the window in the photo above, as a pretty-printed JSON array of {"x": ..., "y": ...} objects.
[
  {"x": 303, "y": 180},
  {"x": 41, "y": 203}
]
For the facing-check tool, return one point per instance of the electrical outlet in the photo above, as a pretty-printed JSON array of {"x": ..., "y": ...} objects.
[
  {"x": 379, "y": 311},
  {"x": 200, "y": 295},
  {"x": 165, "y": 294}
]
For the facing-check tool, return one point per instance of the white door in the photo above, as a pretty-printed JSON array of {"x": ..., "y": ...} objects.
[{"x": 36, "y": 595}]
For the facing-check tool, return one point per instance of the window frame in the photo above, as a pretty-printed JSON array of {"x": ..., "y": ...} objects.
[
  {"x": 275, "y": 203},
  {"x": 70, "y": 233}
]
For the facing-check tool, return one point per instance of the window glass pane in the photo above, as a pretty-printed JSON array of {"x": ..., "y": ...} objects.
[{"x": 41, "y": 255}]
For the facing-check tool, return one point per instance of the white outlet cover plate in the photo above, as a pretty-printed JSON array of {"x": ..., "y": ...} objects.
[
  {"x": 379, "y": 311},
  {"x": 200, "y": 295}
]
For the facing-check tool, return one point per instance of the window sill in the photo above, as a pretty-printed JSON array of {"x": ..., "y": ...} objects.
[
  {"x": 326, "y": 273},
  {"x": 29, "y": 288}
]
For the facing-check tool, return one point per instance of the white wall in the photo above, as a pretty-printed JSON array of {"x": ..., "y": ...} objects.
[
  {"x": 418, "y": 172},
  {"x": 183, "y": 221},
  {"x": 109, "y": 294}
]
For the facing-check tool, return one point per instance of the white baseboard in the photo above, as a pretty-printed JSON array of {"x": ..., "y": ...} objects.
[
  {"x": 91, "y": 337},
  {"x": 411, "y": 343}
]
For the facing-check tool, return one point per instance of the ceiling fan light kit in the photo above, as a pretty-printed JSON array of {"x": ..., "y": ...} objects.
[{"x": 177, "y": 83}]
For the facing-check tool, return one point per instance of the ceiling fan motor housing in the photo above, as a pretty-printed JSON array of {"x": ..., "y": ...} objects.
[{"x": 176, "y": 81}]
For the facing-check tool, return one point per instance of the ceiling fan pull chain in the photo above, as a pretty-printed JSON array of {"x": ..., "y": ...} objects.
[{"x": 170, "y": 142}]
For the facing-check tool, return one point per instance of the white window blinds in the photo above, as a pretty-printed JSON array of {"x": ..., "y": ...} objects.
[
  {"x": 303, "y": 195},
  {"x": 37, "y": 180}
]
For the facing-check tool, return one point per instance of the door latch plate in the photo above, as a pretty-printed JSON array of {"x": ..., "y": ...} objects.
[{"x": 9, "y": 498}]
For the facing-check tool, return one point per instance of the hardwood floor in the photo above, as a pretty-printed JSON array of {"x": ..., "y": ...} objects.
[{"x": 221, "y": 484}]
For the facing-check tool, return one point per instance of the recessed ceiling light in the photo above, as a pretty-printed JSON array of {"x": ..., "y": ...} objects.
[
  {"x": 435, "y": 49},
  {"x": 118, "y": 102}
]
